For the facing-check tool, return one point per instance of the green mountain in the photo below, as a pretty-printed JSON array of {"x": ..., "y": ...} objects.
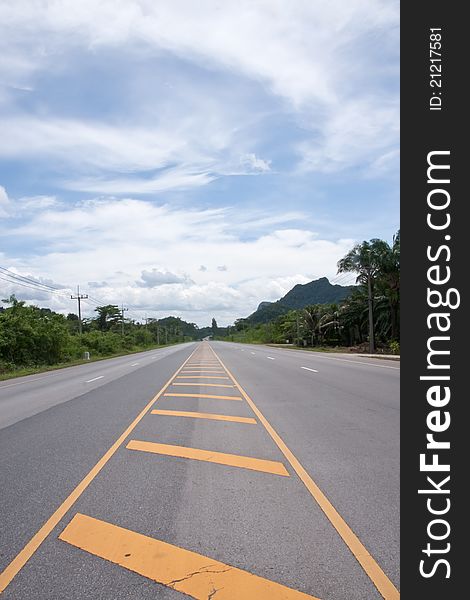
[{"x": 320, "y": 291}]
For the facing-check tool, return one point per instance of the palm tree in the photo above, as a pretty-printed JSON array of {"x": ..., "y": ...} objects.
[
  {"x": 388, "y": 282},
  {"x": 376, "y": 263},
  {"x": 311, "y": 320},
  {"x": 362, "y": 259}
]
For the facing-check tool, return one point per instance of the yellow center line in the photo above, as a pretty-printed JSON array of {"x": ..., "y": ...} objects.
[
  {"x": 199, "y": 415},
  {"x": 187, "y": 572},
  {"x": 383, "y": 584},
  {"x": 174, "y": 394},
  {"x": 30, "y": 548},
  {"x": 221, "y": 458}
]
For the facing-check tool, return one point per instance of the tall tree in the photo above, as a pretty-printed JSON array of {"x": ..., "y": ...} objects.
[
  {"x": 377, "y": 264},
  {"x": 362, "y": 259},
  {"x": 108, "y": 316},
  {"x": 388, "y": 281},
  {"x": 311, "y": 319}
]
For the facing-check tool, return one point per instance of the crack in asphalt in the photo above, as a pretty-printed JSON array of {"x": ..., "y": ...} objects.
[{"x": 201, "y": 571}]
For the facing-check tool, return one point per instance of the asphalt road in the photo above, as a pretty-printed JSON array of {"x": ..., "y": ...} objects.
[
  {"x": 264, "y": 473},
  {"x": 26, "y": 396}
]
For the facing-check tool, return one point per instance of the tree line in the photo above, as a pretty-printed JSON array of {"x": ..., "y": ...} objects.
[{"x": 33, "y": 337}]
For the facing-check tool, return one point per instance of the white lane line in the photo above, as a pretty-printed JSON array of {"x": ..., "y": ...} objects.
[
  {"x": 309, "y": 369},
  {"x": 253, "y": 353},
  {"x": 134, "y": 364},
  {"x": 270, "y": 358},
  {"x": 95, "y": 379}
]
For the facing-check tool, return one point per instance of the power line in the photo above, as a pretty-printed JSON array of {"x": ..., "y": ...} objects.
[
  {"x": 28, "y": 282},
  {"x": 30, "y": 286},
  {"x": 341, "y": 278},
  {"x": 17, "y": 278}
]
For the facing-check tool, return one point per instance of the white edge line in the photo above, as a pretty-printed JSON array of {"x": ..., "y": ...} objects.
[
  {"x": 309, "y": 369},
  {"x": 94, "y": 379},
  {"x": 354, "y": 362}
]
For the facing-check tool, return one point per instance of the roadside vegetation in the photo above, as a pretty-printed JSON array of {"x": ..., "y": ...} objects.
[{"x": 33, "y": 339}]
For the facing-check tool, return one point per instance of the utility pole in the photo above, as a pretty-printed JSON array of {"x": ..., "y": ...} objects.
[
  {"x": 122, "y": 318},
  {"x": 79, "y": 297}
]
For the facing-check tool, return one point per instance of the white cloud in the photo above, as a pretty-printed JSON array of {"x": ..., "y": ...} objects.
[
  {"x": 326, "y": 61},
  {"x": 254, "y": 163},
  {"x": 267, "y": 40},
  {"x": 156, "y": 277},
  {"x": 309, "y": 85},
  {"x": 88, "y": 143},
  {"x": 25, "y": 205},
  {"x": 95, "y": 241},
  {"x": 359, "y": 132},
  {"x": 174, "y": 179},
  {"x": 36, "y": 203},
  {"x": 5, "y": 204}
]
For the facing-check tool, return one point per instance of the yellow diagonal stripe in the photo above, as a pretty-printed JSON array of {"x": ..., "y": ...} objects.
[
  {"x": 231, "y": 460},
  {"x": 198, "y": 576},
  {"x": 174, "y": 394},
  {"x": 198, "y": 415},
  {"x": 202, "y": 377},
  {"x": 202, "y": 384}
]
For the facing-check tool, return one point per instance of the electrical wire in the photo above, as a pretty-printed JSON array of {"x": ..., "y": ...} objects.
[{"x": 29, "y": 280}]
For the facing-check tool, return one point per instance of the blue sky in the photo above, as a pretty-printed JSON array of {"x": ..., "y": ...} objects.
[{"x": 194, "y": 158}]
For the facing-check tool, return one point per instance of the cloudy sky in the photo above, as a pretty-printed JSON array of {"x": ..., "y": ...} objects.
[{"x": 193, "y": 158}]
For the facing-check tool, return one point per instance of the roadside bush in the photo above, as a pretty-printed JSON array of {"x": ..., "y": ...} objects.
[
  {"x": 32, "y": 336},
  {"x": 101, "y": 343}
]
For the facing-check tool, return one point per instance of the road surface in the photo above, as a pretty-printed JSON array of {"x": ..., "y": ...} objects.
[{"x": 206, "y": 470}]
